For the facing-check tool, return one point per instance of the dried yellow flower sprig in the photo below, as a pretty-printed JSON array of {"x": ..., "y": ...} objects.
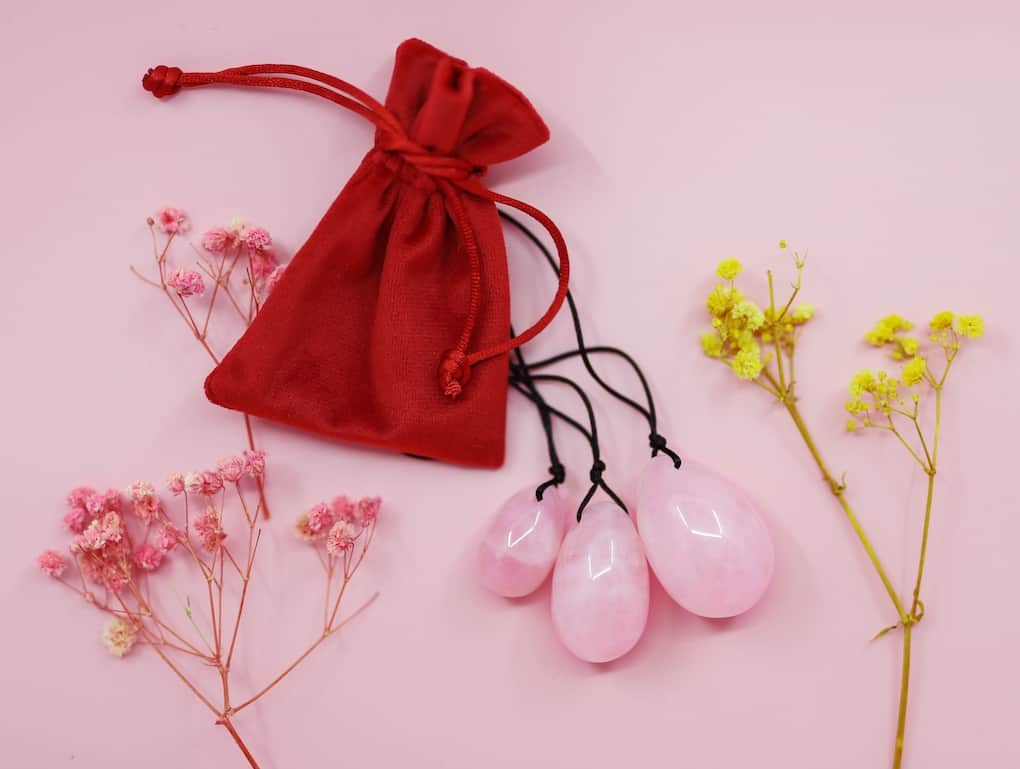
[
  {"x": 741, "y": 328},
  {"x": 758, "y": 345}
]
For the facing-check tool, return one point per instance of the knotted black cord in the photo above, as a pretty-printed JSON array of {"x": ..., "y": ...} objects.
[
  {"x": 656, "y": 441},
  {"x": 557, "y": 472},
  {"x": 598, "y": 467}
]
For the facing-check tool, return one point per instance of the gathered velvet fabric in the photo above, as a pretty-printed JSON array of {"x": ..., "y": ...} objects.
[{"x": 368, "y": 335}]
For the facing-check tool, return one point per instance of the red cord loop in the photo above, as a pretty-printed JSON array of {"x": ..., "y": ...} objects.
[
  {"x": 453, "y": 176},
  {"x": 440, "y": 166},
  {"x": 162, "y": 81}
]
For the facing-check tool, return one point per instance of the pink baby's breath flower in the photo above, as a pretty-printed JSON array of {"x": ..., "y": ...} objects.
[
  {"x": 52, "y": 562},
  {"x": 255, "y": 463},
  {"x": 175, "y": 484},
  {"x": 112, "y": 527},
  {"x": 302, "y": 529},
  {"x": 115, "y": 574},
  {"x": 273, "y": 278},
  {"x": 148, "y": 509},
  {"x": 140, "y": 490},
  {"x": 320, "y": 519},
  {"x": 367, "y": 510},
  {"x": 210, "y": 530},
  {"x": 144, "y": 501},
  {"x": 99, "y": 533},
  {"x": 95, "y": 503},
  {"x": 112, "y": 500},
  {"x": 262, "y": 263},
  {"x": 230, "y": 469},
  {"x": 147, "y": 557},
  {"x": 216, "y": 240},
  {"x": 76, "y": 519},
  {"x": 193, "y": 483},
  {"x": 340, "y": 538},
  {"x": 343, "y": 509},
  {"x": 167, "y": 538},
  {"x": 186, "y": 283},
  {"x": 172, "y": 220},
  {"x": 211, "y": 483},
  {"x": 119, "y": 636},
  {"x": 256, "y": 238},
  {"x": 77, "y": 496}
]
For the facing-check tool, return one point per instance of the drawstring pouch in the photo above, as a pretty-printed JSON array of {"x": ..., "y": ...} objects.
[{"x": 391, "y": 325}]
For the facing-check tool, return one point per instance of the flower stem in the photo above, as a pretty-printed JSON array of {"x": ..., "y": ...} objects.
[
  {"x": 260, "y": 481},
  {"x": 838, "y": 489},
  {"x": 924, "y": 542},
  {"x": 917, "y": 607},
  {"x": 240, "y": 743},
  {"x": 901, "y": 719},
  {"x": 326, "y": 634}
]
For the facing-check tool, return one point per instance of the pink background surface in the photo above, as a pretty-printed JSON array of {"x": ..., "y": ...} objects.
[{"x": 883, "y": 139}]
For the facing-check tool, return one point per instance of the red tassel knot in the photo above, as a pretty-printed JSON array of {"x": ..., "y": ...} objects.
[
  {"x": 454, "y": 372},
  {"x": 162, "y": 81}
]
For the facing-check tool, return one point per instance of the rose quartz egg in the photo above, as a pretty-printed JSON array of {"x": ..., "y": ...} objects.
[
  {"x": 600, "y": 586},
  {"x": 521, "y": 544},
  {"x": 705, "y": 539}
]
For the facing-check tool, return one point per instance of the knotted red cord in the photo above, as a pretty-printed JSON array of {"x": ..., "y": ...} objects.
[{"x": 450, "y": 173}]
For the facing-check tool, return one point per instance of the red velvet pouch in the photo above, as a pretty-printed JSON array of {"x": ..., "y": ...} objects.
[{"x": 391, "y": 325}]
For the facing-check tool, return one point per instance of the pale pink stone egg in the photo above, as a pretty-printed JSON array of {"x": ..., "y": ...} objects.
[
  {"x": 600, "y": 586},
  {"x": 704, "y": 537},
  {"x": 521, "y": 544}
]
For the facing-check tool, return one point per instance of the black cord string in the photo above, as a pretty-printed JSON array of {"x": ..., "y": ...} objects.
[
  {"x": 598, "y": 467},
  {"x": 557, "y": 472},
  {"x": 656, "y": 441}
]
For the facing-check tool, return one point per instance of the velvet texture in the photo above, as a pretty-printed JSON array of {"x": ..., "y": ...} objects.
[{"x": 349, "y": 343}]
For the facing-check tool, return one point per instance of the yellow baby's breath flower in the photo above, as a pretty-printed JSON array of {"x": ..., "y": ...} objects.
[
  {"x": 782, "y": 244},
  {"x": 728, "y": 269},
  {"x": 863, "y": 381},
  {"x": 971, "y": 326},
  {"x": 746, "y": 341},
  {"x": 913, "y": 371},
  {"x": 942, "y": 321},
  {"x": 711, "y": 344},
  {"x": 722, "y": 299},
  {"x": 886, "y": 329},
  {"x": 802, "y": 313},
  {"x": 747, "y": 364},
  {"x": 851, "y": 425},
  {"x": 748, "y": 312},
  {"x": 908, "y": 345},
  {"x": 857, "y": 406}
]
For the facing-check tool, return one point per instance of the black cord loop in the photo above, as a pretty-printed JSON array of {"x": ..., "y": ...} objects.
[
  {"x": 658, "y": 445},
  {"x": 557, "y": 471},
  {"x": 591, "y": 433},
  {"x": 655, "y": 440}
]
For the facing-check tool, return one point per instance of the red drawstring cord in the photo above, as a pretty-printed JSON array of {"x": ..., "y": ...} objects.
[{"x": 450, "y": 174}]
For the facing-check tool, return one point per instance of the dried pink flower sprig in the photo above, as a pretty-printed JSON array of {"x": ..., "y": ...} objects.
[
  {"x": 238, "y": 262},
  {"x": 341, "y": 533},
  {"x": 119, "y": 542}
]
